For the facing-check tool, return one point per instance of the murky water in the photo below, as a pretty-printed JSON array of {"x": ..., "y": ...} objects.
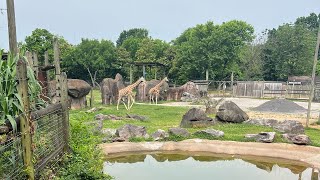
[{"x": 203, "y": 166}]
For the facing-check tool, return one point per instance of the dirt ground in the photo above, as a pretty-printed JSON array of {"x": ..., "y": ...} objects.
[{"x": 247, "y": 104}]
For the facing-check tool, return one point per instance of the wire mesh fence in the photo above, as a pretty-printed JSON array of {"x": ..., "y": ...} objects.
[{"x": 11, "y": 161}]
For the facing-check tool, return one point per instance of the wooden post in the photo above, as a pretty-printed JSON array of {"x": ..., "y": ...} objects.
[
  {"x": 35, "y": 65},
  {"x": 25, "y": 119},
  {"x": 155, "y": 73},
  {"x": 131, "y": 74},
  {"x": 315, "y": 60},
  {"x": 144, "y": 71},
  {"x": 65, "y": 108},
  {"x": 12, "y": 27},
  {"x": 57, "y": 67},
  {"x": 46, "y": 63},
  {"x": 29, "y": 58},
  {"x": 232, "y": 84},
  {"x": 207, "y": 75},
  {"x": 91, "y": 97}
]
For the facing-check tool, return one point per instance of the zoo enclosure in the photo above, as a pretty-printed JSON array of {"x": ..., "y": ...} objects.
[{"x": 42, "y": 135}]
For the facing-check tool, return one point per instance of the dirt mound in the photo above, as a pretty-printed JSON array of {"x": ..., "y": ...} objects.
[{"x": 281, "y": 106}]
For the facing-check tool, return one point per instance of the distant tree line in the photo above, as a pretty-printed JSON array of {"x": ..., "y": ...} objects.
[{"x": 218, "y": 48}]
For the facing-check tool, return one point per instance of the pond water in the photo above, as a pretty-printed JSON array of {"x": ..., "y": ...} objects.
[{"x": 162, "y": 166}]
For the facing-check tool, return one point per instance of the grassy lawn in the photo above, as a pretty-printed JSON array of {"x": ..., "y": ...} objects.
[{"x": 164, "y": 117}]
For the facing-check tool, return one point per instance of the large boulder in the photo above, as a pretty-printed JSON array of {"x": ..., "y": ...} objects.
[
  {"x": 300, "y": 139},
  {"x": 143, "y": 90},
  {"x": 230, "y": 112},
  {"x": 129, "y": 131},
  {"x": 190, "y": 88},
  {"x": 210, "y": 132},
  {"x": 262, "y": 122},
  {"x": 265, "y": 137},
  {"x": 290, "y": 126},
  {"x": 110, "y": 89},
  {"x": 196, "y": 118},
  {"x": 78, "y": 88},
  {"x": 179, "y": 132}
]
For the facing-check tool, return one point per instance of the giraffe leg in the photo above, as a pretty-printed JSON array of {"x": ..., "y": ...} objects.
[
  {"x": 124, "y": 103},
  {"x": 119, "y": 98},
  {"x": 150, "y": 98},
  {"x": 156, "y": 98},
  {"x": 133, "y": 101}
]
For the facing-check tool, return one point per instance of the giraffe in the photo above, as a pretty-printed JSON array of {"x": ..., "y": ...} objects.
[
  {"x": 127, "y": 91},
  {"x": 155, "y": 91}
]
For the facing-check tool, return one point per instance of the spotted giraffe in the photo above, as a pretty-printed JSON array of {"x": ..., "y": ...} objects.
[
  {"x": 155, "y": 91},
  {"x": 127, "y": 92}
]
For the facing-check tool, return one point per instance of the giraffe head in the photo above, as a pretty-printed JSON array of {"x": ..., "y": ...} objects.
[
  {"x": 166, "y": 79},
  {"x": 142, "y": 79}
]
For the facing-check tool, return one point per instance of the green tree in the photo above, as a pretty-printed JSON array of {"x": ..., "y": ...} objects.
[
  {"x": 97, "y": 58},
  {"x": 288, "y": 51},
  {"x": 139, "y": 33},
  {"x": 41, "y": 40},
  {"x": 211, "y": 47}
]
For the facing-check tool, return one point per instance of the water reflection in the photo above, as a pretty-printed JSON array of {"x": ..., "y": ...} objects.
[{"x": 205, "y": 166}]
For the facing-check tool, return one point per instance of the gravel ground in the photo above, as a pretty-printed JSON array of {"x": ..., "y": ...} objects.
[{"x": 280, "y": 106}]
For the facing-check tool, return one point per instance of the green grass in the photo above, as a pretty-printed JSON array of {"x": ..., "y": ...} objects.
[{"x": 164, "y": 117}]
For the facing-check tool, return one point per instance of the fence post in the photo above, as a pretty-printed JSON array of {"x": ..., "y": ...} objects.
[
  {"x": 25, "y": 119},
  {"x": 65, "y": 108},
  {"x": 35, "y": 65},
  {"x": 57, "y": 68}
]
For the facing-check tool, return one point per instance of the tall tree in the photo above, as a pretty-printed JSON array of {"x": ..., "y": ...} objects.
[
  {"x": 211, "y": 47},
  {"x": 288, "y": 51},
  {"x": 132, "y": 33}
]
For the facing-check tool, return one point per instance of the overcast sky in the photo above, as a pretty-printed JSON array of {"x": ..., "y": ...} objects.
[{"x": 165, "y": 19}]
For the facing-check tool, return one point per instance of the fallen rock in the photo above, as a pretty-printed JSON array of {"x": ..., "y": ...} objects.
[
  {"x": 290, "y": 126},
  {"x": 99, "y": 126},
  {"x": 137, "y": 117},
  {"x": 107, "y": 117},
  {"x": 159, "y": 135},
  {"x": 210, "y": 132},
  {"x": 129, "y": 131},
  {"x": 119, "y": 139},
  {"x": 188, "y": 97},
  {"x": 179, "y": 132},
  {"x": 265, "y": 137},
  {"x": 196, "y": 118},
  {"x": 262, "y": 122},
  {"x": 230, "y": 112},
  {"x": 300, "y": 139}
]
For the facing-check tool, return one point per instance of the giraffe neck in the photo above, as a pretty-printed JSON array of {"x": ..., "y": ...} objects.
[
  {"x": 160, "y": 84},
  {"x": 132, "y": 86}
]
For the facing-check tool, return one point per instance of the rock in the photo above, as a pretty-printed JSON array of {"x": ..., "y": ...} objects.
[
  {"x": 78, "y": 88},
  {"x": 143, "y": 90},
  {"x": 4, "y": 129},
  {"x": 129, "y": 131},
  {"x": 177, "y": 93},
  {"x": 230, "y": 112},
  {"x": 119, "y": 139},
  {"x": 187, "y": 97},
  {"x": 107, "y": 117},
  {"x": 210, "y": 132},
  {"x": 179, "y": 132},
  {"x": 262, "y": 122},
  {"x": 99, "y": 126},
  {"x": 159, "y": 135},
  {"x": 297, "y": 139},
  {"x": 290, "y": 126},
  {"x": 265, "y": 137},
  {"x": 136, "y": 117},
  {"x": 110, "y": 89},
  {"x": 196, "y": 118},
  {"x": 109, "y": 132}
]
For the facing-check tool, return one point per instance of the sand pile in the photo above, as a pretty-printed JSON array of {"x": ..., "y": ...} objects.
[{"x": 281, "y": 106}]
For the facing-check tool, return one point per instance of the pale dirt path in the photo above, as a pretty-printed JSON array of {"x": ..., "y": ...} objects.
[{"x": 247, "y": 104}]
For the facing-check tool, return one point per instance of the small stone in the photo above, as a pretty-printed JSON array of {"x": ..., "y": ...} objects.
[
  {"x": 290, "y": 126},
  {"x": 129, "y": 131},
  {"x": 109, "y": 132},
  {"x": 159, "y": 135},
  {"x": 265, "y": 137},
  {"x": 101, "y": 117},
  {"x": 94, "y": 110},
  {"x": 179, "y": 132},
  {"x": 137, "y": 117},
  {"x": 297, "y": 139},
  {"x": 4, "y": 129},
  {"x": 119, "y": 139},
  {"x": 210, "y": 132}
]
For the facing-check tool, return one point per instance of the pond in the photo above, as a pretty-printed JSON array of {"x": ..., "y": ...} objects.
[{"x": 160, "y": 166}]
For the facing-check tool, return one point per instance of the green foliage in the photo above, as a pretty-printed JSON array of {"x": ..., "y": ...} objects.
[
  {"x": 86, "y": 160},
  {"x": 288, "y": 51},
  {"x": 132, "y": 33},
  {"x": 92, "y": 56},
  {"x": 10, "y": 101},
  {"x": 213, "y": 47},
  {"x": 41, "y": 40}
]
